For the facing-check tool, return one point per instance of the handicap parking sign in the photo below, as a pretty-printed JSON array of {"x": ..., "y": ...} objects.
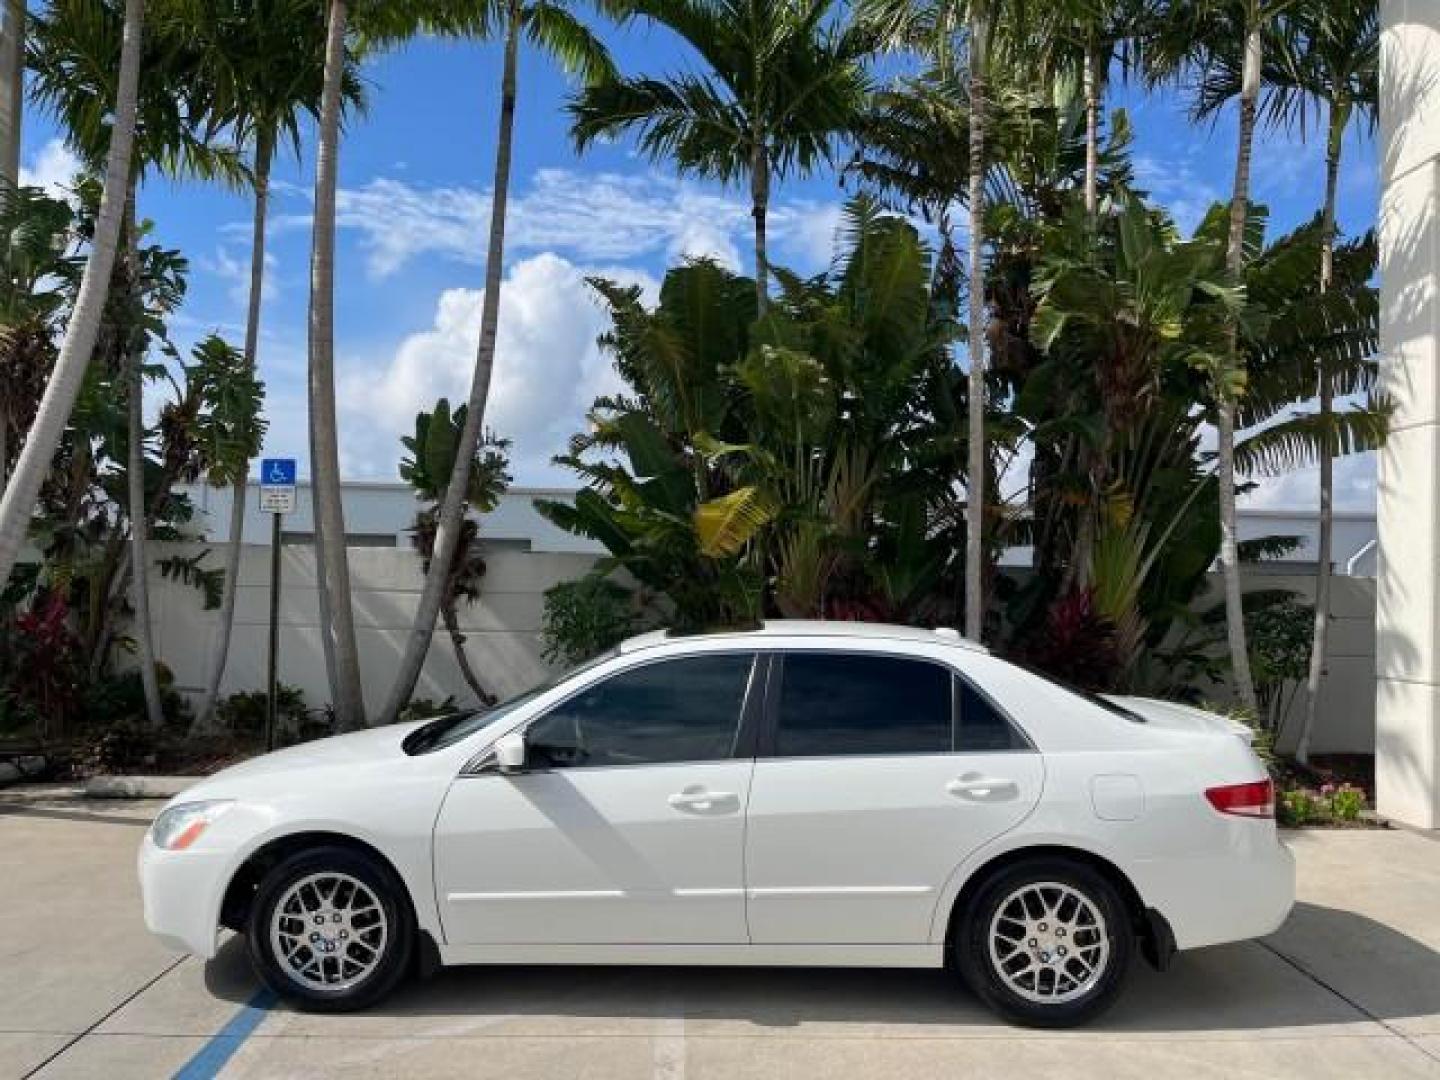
[{"x": 277, "y": 485}]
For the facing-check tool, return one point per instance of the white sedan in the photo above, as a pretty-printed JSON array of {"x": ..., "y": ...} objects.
[{"x": 807, "y": 793}]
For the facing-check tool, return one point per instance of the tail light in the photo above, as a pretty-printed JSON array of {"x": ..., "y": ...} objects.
[{"x": 1256, "y": 799}]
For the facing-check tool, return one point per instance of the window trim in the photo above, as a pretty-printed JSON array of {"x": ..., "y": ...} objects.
[
  {"x": 770, "y": 726},
  {"x": 746, "y": 730}
]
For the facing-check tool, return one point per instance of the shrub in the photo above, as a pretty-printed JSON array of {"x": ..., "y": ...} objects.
[
  {"x": 121, "y": 698},
  {"x": 1347, "y": 802},
  {"x": 586, "y": 617},
  {"x": 1299, "y": 807},
  {"x": 244, "y": 713},
  {"x": 123, "y": 745},
  {"x": 424, "y": 708}
]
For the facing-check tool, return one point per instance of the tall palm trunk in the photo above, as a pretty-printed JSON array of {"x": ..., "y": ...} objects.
[
  {"x": 54, "y": 413},
  {"x": 264, "y": 152},
  {"x": 12, "y": 93},
  {"x": 1225, "y": 401},
  {"x": 1092, "y": 131},
  {"x": 334, "y": 578},
  {"x": 1316, "y": 677},
  {"x": 135, "y": 476},
  {"x": 975, "y": 481},
  {"x": 452, "y": 508},
  {"x": 462, "y": 659},
  {"x": 759, "y": 210}
]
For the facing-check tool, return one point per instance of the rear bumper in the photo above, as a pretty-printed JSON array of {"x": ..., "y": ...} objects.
[
  {"x": 1246, "y": 892},
  {"x": 181, "y": 893}
]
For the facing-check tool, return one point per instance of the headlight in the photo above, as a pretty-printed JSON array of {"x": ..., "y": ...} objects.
[{"x": 181, "y": 825}]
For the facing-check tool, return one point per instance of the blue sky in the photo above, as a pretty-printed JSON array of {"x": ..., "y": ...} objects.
[{"x": 415, "y": 178}]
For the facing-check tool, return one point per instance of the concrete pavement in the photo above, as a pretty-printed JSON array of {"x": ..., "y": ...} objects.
[{"x": 1350, "y": 987}]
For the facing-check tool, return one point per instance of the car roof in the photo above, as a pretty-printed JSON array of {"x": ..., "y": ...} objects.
[{"x": 840, "y": 631}]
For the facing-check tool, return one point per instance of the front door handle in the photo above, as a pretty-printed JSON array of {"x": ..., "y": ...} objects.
[
  {"x": 700, "y": 799},
  {"x": 979, "y": 788}
]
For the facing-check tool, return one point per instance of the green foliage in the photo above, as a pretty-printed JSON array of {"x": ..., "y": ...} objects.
[
  {"x": 187, "y": 570},
  {"x": 792, "y": 464},
  {"x": 245, "y": 713},
  {"x": 420, "y": 708},
  {"x": 586, "y": 617}
]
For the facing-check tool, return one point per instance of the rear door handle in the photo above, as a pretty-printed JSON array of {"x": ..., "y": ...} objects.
[
  {"x": 700, "y": 799},
  {"x": 982, "y": 788}
]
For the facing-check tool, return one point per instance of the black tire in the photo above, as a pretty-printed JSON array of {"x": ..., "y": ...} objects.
[
  {"x": 395, "y": 950},
  {"x": 1091, "y": 995}
]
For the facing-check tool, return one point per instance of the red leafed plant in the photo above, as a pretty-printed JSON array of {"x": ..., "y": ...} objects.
[
  {"x": 1077, "y": 644},
  {"x": 46, "y": 680}
]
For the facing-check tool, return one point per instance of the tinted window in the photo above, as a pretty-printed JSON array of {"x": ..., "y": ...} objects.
[
  {"x": 673, "y": 710},
  {"x": 983, "y": 726},
  {"x": 848, "y": 703}
]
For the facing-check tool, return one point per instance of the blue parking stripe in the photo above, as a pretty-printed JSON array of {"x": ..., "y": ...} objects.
[{"x": 212, "y": 1057}]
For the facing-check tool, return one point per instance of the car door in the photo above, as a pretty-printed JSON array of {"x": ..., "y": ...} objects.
[
  {"x": 628, "y": 824},
  {"x": 878, "y": 774}
]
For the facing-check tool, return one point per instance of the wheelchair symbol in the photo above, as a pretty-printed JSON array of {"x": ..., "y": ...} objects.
[{"x": 278, "y": 472}]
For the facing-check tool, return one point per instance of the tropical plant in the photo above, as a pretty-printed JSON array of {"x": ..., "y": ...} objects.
[
  {"x": 585, "y": 617},
  {"x": 781, "y": 80},
  {"x": 550, "y": 27},
  {"x": 789, "y": 464},
  {"x": 428, "y": 469}
]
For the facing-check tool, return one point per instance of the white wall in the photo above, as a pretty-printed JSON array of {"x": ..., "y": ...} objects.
[{"x": 503, "y": 628}]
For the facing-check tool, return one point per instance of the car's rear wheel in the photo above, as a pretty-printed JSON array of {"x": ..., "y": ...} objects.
[
  {"x": 331, "y": 929},
  {"x": 1046, "y": 942}
]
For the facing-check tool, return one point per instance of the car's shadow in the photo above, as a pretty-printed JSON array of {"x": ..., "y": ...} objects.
[{"x": 1240, "y": 987}]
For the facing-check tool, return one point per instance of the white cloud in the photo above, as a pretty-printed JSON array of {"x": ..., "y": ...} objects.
[
  {"x": 548, "y": 369},
  {"x": 1176, "y": 185},
  {"x": 604, "y": 217},
  {"x": 53, "y": 168},
  {"x": 233, "y": 267}
]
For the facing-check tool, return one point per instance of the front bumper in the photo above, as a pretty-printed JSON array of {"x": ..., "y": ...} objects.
[{"x": 182, "y": 891}]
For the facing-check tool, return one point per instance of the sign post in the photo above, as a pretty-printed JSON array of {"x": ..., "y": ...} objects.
[{"x": 277, "y": 498}]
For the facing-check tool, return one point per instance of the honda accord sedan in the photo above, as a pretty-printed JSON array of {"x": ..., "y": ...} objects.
[{"x": 801, "y": 794}]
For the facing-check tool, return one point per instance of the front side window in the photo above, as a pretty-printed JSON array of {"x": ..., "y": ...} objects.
[
  {"x": 681, "y": 710},
  {"x": 852, "y": 704}
]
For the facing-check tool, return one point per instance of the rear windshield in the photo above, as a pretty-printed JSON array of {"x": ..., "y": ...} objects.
[
  {"x": 1088, "y": 695},
  {"x": 454, "y": 727}
]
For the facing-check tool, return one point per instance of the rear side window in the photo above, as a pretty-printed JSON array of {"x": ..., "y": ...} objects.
[
  {"x": 686, "y": 709},
  {"x": 982, "y": 725},
  {"x": 852, "y": 704}
]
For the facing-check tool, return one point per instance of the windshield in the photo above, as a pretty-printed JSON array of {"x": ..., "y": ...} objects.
[{"x": 453, "y": 727}]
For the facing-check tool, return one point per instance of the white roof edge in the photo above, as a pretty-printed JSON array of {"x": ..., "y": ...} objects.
[{"x": 942, "y": 635}]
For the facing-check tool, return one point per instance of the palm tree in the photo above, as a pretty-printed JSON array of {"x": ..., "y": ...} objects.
[
  {"x": 332, "y": 567},
  {"x": 935, "y": 29},
  {"x": 553, "y": 29},
  {"x": 12, "y": 89},
  {"x": 781, "y": 85},
  {"x": 172, "y": 131},
  {"x": 427, "y": 470},
  {"x": 1220, "y": 46},
  {"x": 267, "y": 56},
  {"x": 1327, "y": 54},
  {"x": 80, "y": 333}
]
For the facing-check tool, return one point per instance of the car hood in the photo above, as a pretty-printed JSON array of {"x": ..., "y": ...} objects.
[
  {"x": 1174, "y": 716},
  {"x": 372, "y": 746}
]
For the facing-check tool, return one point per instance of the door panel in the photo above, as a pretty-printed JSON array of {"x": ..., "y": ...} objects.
[
  {"x": 855, "y": 850},
  {"x": 642, "y": 854}
]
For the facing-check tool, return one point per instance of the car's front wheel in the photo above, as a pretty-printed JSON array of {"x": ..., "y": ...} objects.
[
  {"x": 331, "y": 929},
  {"x": 1046, "y": 942}
]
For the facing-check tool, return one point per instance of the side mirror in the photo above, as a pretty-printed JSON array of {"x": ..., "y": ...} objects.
[{"x": 510, "y": 752}]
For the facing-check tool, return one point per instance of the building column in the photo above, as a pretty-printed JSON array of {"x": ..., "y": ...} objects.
[{"x": 1407, "y": 713}]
